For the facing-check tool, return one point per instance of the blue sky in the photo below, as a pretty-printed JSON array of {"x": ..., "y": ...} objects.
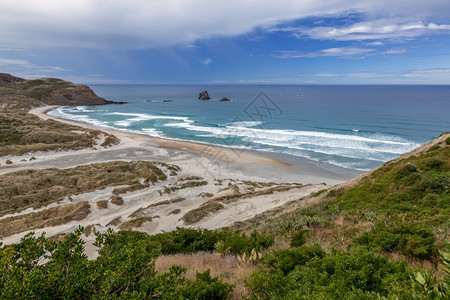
[{"x": 229, "y": 42}]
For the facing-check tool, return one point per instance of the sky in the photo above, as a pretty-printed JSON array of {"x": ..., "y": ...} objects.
[{"x": 227, "y": 42}]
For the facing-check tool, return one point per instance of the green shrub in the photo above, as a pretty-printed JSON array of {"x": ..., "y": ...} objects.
[
  {"x": 206, "y": 287},
  {"x": 436, "y": 164},
  {"x": 355, "y": 275},
  {"x": 409, "y": 239},
  {"x": 286, "y": 260},
  {"x": 124, "y": 269},
  {"x": 298, "y": 239},
  {"x": 406, "y": 170},
  {"x": 187, "y": 240}
]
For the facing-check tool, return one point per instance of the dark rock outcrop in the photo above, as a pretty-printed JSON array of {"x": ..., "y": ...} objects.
[
  {"x": 225, "y": 99},
  {"x": 8, "y": 78},
  {"x": 203, "y": 95}
]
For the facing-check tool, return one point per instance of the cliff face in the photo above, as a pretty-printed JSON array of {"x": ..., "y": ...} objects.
[
  {"x": 19, "y": 93},
  {"x": 8, "y": 78}
]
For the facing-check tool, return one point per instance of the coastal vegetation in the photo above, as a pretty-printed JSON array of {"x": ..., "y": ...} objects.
[
  {"x": 125, "y": 268},
  {"x": 22, "y": 133},
  {"x": 35, "y": 188}
]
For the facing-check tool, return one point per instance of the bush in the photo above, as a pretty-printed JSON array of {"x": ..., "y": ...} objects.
[
  {"x": 406, "y": 170},
  {"x": 298, "y": 239},
  {"x": 187, "y": 240},
  {"x": 435, "y": 163},
  {"x": 206, "y": 287},
  {"x": 124, "y": 269},
  {"x": 286, "y": 260},
  {"x": 355, "y": 275},
  {"x": 409, "y": 239}
]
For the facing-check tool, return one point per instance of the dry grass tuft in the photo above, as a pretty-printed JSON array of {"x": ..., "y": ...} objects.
[
  {"x": 201, "y": 212},
  {"x": 89, "y": 229},
  {"x": 130, "y": 188},
  {"x": 228, "y": 268},
  {"x": 117, "y": 200},
  {"x": 109, "y": 141},
  {"x": 128, "y": 225},
  {"x": 53, "y": 216},
  {"x": 176, "y": 211},
  {"x": 102, "y": 204},
  {"x": 115, "y": 221},
  {"x": 205, "y": 195}
]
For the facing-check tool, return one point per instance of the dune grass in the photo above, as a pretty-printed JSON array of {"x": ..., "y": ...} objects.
[
  {"x": 35, "y": 188},
  {"x": 22, "y": 133},
  {"x": 215, "y": 204},
  {"x": 53, "y": 216}
]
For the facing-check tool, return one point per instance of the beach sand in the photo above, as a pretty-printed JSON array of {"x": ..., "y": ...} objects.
[{"x": 220, "y": 167}]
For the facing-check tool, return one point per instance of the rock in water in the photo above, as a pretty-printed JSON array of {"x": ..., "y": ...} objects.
[
  {"x": 203, "y": 95},
  {"x": 225, "y": 99}
]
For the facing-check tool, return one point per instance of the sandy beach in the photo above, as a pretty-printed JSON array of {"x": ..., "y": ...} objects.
[{"x": 221, "y": 167}]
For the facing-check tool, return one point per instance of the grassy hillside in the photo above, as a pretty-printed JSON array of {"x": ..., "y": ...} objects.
[
  {"x": 22, "y": 133},
  {"x": 409, "y": 194},
  {"x": 25, "y": 94}
]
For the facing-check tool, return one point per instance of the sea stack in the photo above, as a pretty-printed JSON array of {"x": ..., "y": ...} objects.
[{"x": 203, "y": 95}]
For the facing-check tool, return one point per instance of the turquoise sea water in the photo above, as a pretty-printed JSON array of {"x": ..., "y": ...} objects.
[{"x": 356, "y": 127}]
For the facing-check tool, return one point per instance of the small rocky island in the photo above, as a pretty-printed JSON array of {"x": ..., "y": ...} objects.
[
  {"x": 225, "y": 99},
  {"x": 203, "y": 95}
]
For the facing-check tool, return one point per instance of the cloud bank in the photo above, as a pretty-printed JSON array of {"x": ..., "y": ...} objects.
[{"x": 135, "y": 24}]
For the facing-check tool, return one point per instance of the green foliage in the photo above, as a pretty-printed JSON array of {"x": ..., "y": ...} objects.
[
  {"x": 298, "y": 239},
  {"x": 354, "y": 275},
  {"x": 186, "y": 240},
  {"x": 221, "y": 247},
  {"x": 425, "y": 285},
  {"x": 286, "y": 260},
  {"x": 206, "y": 287},
  {"x": 409, "y": 239},
  {"x": 44, "y": 269}
]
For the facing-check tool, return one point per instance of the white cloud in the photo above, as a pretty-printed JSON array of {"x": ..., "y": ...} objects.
[
  {"x": 152, "y": 23},
  {"x": 207, "y": 61},
  {"x": 432, "y": 74},
  {"x": 14, "y": 62},
  {"x": 419, "y": 76},
  {"x": 343, "y": 52},
  {"x": 394, "y": 51},
  {"x": 372, "y": 30},
  {"x": 26, "y": 69}
]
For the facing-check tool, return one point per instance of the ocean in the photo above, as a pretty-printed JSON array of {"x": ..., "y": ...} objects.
[{"x": 354, "y": 127}]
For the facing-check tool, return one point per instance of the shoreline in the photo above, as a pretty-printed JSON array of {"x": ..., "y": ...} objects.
[
  {"x": 190, "y": 146},
  {"x": 222, "y": 160}
]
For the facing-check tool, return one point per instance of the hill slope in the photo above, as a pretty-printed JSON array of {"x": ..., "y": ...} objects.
[
  {"x": 17, "y": 93},
  {"x": 409, "y": 195}
]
